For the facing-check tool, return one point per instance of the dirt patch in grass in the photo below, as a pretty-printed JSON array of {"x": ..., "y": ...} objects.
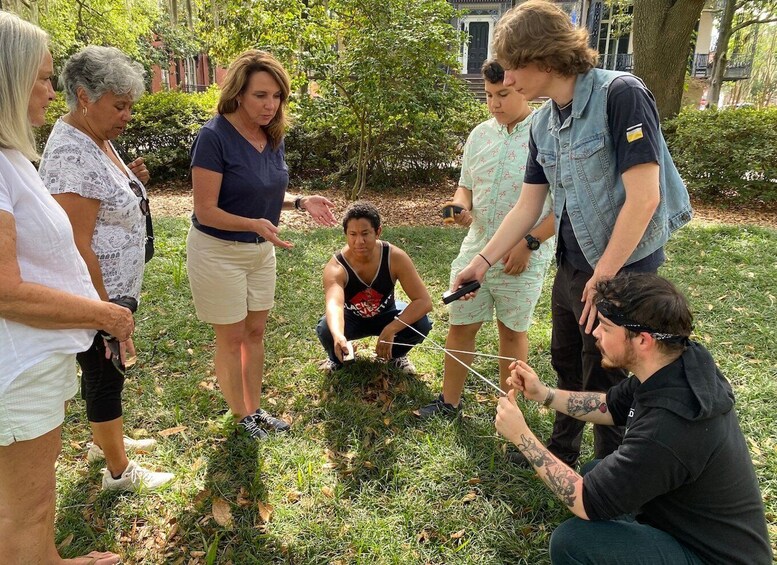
[{"x": 420, "y": 206}]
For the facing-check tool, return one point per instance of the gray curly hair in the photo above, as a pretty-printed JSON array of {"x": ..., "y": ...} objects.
[{"x": 99, "y": 70}]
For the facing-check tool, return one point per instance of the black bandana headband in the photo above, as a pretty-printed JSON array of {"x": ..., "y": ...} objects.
[{"x": 613, "y": 313}]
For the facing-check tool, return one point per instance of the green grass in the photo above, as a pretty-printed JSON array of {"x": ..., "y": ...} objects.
[{"x": 359, "y": 479}]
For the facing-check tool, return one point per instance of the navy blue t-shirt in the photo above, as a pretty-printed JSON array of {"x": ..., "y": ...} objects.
[
  {"x": 629, "y": 104},
  {"x": 253, "y": 183}
]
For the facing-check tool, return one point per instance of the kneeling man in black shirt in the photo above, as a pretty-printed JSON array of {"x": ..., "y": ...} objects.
[{"x": 681, "y": 488}]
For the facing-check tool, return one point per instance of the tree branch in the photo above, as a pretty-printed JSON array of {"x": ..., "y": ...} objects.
[{"x": 747, "y": 23}]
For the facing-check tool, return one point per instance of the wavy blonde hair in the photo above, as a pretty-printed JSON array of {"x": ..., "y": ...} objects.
[
  {"x": 22, "y": 48},
  {"x": 238, "y": 75},
  {"x": 540, "y": 32}
]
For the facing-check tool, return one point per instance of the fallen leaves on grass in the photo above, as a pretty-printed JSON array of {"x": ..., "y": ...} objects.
[
  {"x": 65, "y": 542},
  {"x": 172, "y": 431},
  {"x": 469, "y": 497},
  {"x": 328, "y": 492},
  {"x": 243, "y": 497},
  {"x": 221, "y": 512},
  {"x": 265, "y": 511}
]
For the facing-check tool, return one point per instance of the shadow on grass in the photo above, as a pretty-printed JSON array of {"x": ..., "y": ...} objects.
[
  {"x": 225, "y": 518},
  {"x": 369, "y": 427}
]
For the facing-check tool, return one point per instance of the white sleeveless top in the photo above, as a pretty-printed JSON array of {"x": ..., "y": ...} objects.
[{"x": 47, "y": 255}]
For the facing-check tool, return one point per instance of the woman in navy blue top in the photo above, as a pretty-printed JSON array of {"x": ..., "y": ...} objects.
[{"x": 239, "y": 181}]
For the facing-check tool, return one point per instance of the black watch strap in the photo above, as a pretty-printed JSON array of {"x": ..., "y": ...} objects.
[{"x": 532, "y": 242}]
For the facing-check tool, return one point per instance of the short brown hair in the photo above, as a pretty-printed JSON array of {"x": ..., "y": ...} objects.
[
  {"x": 649, "y": 301},
  {"x": 540, "y": 32},
  {"x": 238, "y": 75}
]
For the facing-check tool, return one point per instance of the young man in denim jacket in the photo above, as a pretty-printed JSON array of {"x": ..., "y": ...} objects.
[{"x": 596, "y": 145}]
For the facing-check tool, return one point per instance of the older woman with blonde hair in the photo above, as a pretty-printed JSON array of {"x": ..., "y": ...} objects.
[
  {"x": 240, "y": 181},
  {"x": 109, "y": 211},
  {"x": 48, "y": 309}
]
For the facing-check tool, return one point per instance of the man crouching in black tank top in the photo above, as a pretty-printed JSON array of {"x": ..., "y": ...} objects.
[{"x": 359, "y": 289}]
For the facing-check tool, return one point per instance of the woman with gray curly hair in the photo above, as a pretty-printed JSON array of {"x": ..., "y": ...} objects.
[{"x": 107, "y": 205}]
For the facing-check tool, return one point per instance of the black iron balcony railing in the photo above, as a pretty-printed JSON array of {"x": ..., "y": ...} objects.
[{"x": 738, "y": 67}]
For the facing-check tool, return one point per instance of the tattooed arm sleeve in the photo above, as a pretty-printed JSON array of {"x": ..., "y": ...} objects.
[
  {"x": 586, "y": 406},
  {"x": 561, "y": 479}
]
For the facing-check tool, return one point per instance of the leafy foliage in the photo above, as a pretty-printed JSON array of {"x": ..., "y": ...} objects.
[
  {"x": 386, "y": 105},
  {"x": 162, "y": 129},
  {"x": 728, "y": 155},
  {"x": 74, "y": 24}
]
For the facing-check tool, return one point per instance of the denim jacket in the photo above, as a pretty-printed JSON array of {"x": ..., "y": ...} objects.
[{"x": 578, "y": 158}]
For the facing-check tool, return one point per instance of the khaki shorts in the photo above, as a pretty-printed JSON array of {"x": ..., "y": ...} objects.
[
  {"x": 229, "y": 278},
  {"x": 34, "y": 403}
]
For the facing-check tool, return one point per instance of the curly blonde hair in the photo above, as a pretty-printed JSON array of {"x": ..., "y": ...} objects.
[
  {"x": 540, "y": 32},
  {"x": 236, "y": 81}
]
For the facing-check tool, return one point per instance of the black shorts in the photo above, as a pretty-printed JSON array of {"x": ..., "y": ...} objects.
[{"x": 101, "y": 383}]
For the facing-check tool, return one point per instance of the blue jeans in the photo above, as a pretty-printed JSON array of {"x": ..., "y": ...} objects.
[
  {"x": 614, "y": 542},
  {"x": 357, "y": 328}
]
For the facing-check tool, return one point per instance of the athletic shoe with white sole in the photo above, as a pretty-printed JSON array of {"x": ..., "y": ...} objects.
[
  {"x": 249, "y": 426},
  {"x": 270, "y": 422},
  {"x": 135, "y": 478},
  {"x": 403, "y": 365},
  {"x": 95, "y": 453}
]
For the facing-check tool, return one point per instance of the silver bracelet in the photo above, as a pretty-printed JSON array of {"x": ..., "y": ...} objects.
[{"x": 549, "y": 397}]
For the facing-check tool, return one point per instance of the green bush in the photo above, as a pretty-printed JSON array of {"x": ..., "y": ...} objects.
[
  {"x": 320, "y": 144},
  {"x": 727, "y": 156},
  {"x": 163, "y": 129},
  {"x": 421, "y": 146}
]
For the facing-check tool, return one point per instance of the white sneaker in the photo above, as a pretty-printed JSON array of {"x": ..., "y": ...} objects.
[
  {"x": 135, "y": 478},
  {"x": 96, "y": 454},
  {"x": 403, "y": 365}
]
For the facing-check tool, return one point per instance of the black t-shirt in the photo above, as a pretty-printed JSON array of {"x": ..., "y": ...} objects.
[
  {"x": 633, "y": 123},
  {"x": 684, "y": 465}
]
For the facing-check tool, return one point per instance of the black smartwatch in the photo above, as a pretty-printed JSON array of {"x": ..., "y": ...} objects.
[{"x": 532, "y": 242}]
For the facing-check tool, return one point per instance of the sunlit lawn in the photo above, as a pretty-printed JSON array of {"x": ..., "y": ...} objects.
[{"x": 359, "y": 478}]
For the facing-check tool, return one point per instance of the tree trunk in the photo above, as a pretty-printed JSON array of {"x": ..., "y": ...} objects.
[
  {"x": 361, "y": 162},
  {"x": 721, "y": 52},
  {"x": 662, "y": 39}
]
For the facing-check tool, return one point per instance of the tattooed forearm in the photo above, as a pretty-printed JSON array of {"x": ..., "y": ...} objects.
[
  {"x": 561, "y": 480},
  {"x": 582, "y": 403},
  {"x": 535, "y": 454}
]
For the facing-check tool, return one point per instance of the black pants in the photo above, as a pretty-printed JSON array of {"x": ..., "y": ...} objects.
[
  {"x": 101, "y": 383},
  {"x": 578, "y": 364},
  {"x": 357, "y": 328}
]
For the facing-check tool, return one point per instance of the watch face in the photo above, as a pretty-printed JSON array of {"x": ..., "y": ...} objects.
[{"x": 533, "y": 243}]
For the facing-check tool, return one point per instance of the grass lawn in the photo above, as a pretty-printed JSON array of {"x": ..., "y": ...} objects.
[{"x": 359, "y": 479}]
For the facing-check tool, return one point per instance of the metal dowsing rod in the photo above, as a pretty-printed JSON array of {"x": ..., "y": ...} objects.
[
  {"x": 441, "y": 348},
  {"x": 421, "y": 345}
]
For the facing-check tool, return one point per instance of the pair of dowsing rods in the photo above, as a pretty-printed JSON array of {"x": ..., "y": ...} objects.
[
  {"x": 447, "y": 352},
  {"x": 422, "y": 346}
]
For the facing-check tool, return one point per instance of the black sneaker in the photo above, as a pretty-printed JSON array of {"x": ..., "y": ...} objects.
[
  {"x": 269, "y": 422},
  {"x": 249, "y": 426},
  {"x": 439, "y": 407}
]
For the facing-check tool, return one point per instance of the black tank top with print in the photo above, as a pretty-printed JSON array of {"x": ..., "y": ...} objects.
[{"x": 368, "y": 300}]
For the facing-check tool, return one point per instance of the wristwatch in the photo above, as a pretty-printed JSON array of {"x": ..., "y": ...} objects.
[{"x": 532, "y": 242}]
